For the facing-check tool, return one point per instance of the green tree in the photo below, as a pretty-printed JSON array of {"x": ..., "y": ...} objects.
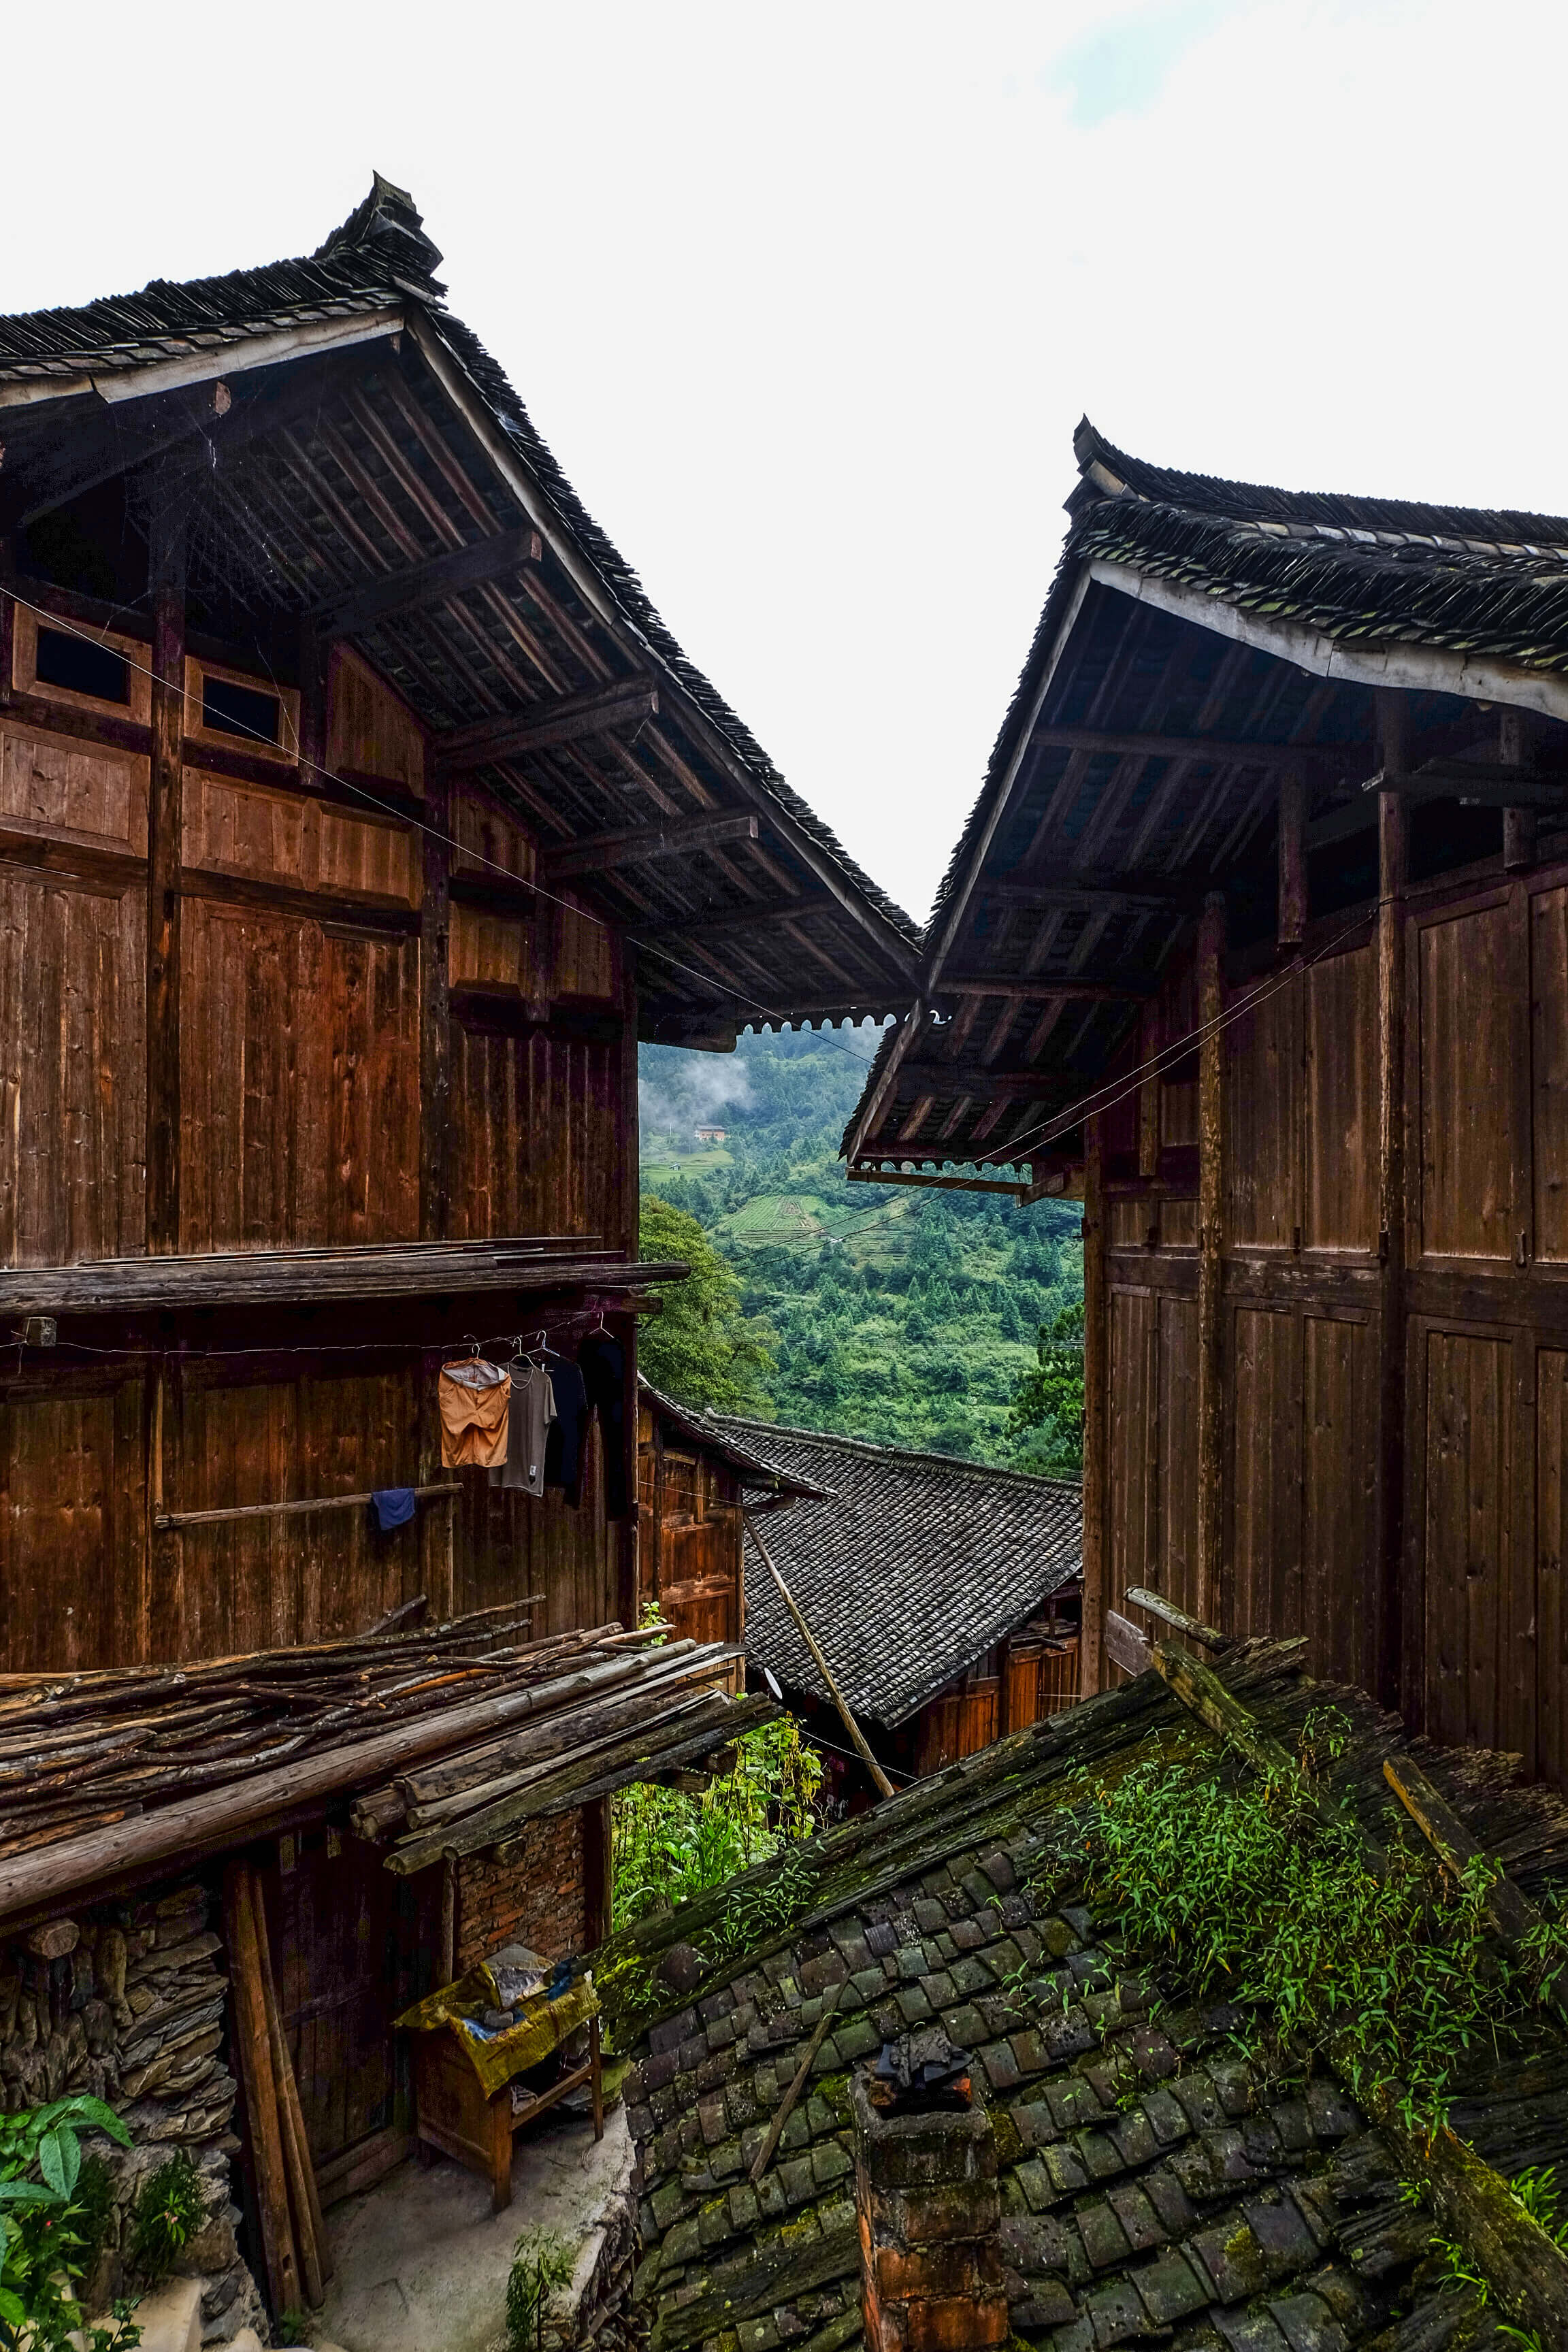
[
  {"x": 702, "y": 1348},
  {"x": 1046, "y": 1420}
]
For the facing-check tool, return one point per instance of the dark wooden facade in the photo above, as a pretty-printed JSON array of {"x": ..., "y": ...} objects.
[
  {"x": 1032, "y": 1673},
  {"x": 1256, "y": 940},
  {"x": 357, "y": 815}
]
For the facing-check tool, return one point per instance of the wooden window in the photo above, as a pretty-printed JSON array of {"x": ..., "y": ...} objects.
[
  {"x": 85, "y": 669},
  {"x": 243, "y": 714}
]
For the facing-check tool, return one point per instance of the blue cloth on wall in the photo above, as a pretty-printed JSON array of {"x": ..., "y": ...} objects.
[{"x": 393, "y": 1507}]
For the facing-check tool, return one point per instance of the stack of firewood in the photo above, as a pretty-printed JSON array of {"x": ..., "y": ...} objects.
[{"x": 82, "y": 1751}]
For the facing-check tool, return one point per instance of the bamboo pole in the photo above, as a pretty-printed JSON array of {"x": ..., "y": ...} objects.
[
  {"x": 1096, "y": 1415},
  {"x": 253, "y": 2043},
  {"x": 1211, "y": 1595},
  {"x": 884, "y": 1785},
  {"x": 786, "y": 2106},
  {"x": 310, "y": 2228}
]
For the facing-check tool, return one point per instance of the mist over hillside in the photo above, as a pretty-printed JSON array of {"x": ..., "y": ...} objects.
[{"x": 897, "y": 1314}]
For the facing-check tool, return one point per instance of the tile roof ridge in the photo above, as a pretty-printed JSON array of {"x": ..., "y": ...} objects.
[{"x": 1028, "y": 1479}]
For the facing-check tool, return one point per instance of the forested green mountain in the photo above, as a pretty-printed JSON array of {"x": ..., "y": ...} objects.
[{"x": 906, "y": 1316}]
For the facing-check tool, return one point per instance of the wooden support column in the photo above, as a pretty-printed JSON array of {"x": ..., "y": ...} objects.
[
  {"x": 1096, "y": 1417},
  {"x": 436, "y": 1014},
  {"x": 629, "y": 1568},
  {"x": 1292, "y": 859},
  {"x": 1214, "y": 1601},
  {"x": 1518, "y": 823},
  {"x": 313, "y": 655},
  {"x": 1400, "y": 1678},
  {"x": 8, "y": 620},
  {"x": 1149, "y": 1095},
  {"x": 166, "y": 583}
]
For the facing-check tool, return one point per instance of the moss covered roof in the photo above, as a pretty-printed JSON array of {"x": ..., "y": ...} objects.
[{"x": 1155, "y": 2184}]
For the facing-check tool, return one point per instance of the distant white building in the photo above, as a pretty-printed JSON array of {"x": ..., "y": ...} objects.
[{"x": 712, "y": 1134}]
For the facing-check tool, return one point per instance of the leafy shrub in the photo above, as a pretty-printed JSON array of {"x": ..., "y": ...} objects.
[
  {"x": 47, "y": 2225},
  {"x": 542, "y": 2262},
  {"x": 668, "y": 1846},
  {"x": 1391, "y": 1971},
  {"x": 168, "y": 2213}
]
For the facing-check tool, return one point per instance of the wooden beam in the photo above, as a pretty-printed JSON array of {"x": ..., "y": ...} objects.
[
  {"x": 1005, "y": 1081},
  {"x": 1154, "y": 1604},
  {"x": 1095, "y": 1416},
  {"x": 166, "y": 586},
  {"x": 1070, "y": 990},
  {"x": 436, "y": 1011},
  {"x": 426, "y": 583},
  {"x": 1401, "y": 1679},
  {"x": 1518, "y": 820},
  {"x": 1292, "y": 919},
  {"x": 937, "y": 1183},
  {"x": 884, "y": 1786},
  {"x": 642, "y": 844},
  {"x": 728, "y": 918},
  {"x": 567, "y": 721},
  {"x": 1093, "y": 895},
  {"x": 1212, "y": 1600},
  {"x": 1208, "y": 749}
]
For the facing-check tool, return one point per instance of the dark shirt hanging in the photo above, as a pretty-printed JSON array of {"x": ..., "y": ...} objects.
[
  {"x": 564, "y": 1454},
  {"x": 604, "y": 1367}
]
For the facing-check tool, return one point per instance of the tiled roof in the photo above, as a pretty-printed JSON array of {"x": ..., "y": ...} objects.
[
  {"x": 379, "y": 256},
  {"x": 702, "y": 1429},
  {"x": 911, "y": 1566},
  {"x": 1153, "y": 2180}
]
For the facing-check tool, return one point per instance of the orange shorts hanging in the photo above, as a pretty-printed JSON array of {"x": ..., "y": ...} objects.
[{"x": 475, "y": 1400}]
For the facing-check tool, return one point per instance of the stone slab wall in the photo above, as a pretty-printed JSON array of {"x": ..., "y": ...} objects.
[{"x": 125, "y": 2000}]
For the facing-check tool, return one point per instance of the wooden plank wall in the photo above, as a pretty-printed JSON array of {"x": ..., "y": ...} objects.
[
  {"x": 1483, "y": 1633},
  {"x": 690, "y": 1534},
  {"x": 300, "y": 1094}
]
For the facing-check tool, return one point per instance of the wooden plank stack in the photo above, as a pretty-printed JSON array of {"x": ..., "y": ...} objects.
[{"x": 81, "y": 1753}]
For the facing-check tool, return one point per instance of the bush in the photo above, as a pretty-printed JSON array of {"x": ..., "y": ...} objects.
[
  {"x": 51, "y": 2227},
  {"x": 542, "y": 2262},
  {"x": 668, "y": 1846},
  {"x": 168, "y": 2213}
]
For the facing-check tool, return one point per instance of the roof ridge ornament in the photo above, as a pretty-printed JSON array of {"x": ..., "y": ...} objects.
[{"x": 390, "y": 224}]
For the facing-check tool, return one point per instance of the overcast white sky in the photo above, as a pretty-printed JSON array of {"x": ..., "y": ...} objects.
[{"x": 808, "y": 297}]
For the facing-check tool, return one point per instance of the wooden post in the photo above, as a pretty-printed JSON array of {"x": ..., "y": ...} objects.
[
  {"x": 253, "y": 2044},
  {"x": 166, "y": 583},
  {"x": 598, "y": 1871},
  {"x": 1292, "y": 859},
  {"x": 845, "y": 1715},
  {"x": 436, "y": 1014},
  {"x": 1400, "y": 1679},
  {"x": 313, "y": 709},
  {"x": 1214, "y": 1601},
  {"x": 8, "y": 623},
  {"x": 448, "y": 1918},
  {"x": 1149, "y": 1095},
  {"x": 1518, "y": 823},
  {"x": 310, "y": 2228},
  {"x": 630, "y": 1581},
  {"x": 1096, "y": 1418}
]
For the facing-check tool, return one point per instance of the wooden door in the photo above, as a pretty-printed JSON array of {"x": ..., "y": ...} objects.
[
  {"x": 1480, "y": 1584},
  {"x": 345, "y": 1967}
]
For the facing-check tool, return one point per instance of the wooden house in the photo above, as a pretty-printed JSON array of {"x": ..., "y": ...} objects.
[
  {"x": 694, "y": 1482},
  {"x": 358, "y": 815},
  {"x": 1257, "y": 939},
  {"x": 943, "y": 1594}
]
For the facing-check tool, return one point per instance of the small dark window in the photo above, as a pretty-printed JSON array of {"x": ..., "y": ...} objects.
[
  {"x": 240, "y": 710},
  {"x": 80, "y": 666}
]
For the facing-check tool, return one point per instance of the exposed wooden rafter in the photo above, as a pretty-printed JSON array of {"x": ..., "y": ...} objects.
[
  {"x": 421, "y": 583},
  {"x": 565, "y": 721},
  {"x": 1207, "y": 748},
  {"x": 983, "y": 1079},
  {"x": 640, "y": 844},
  {"x": 1070, "y": 989},
  {"x": 1091, "y": 894}
]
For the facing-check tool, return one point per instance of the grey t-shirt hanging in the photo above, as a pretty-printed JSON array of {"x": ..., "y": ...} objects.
[{"x": 528, "y": 1426}]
